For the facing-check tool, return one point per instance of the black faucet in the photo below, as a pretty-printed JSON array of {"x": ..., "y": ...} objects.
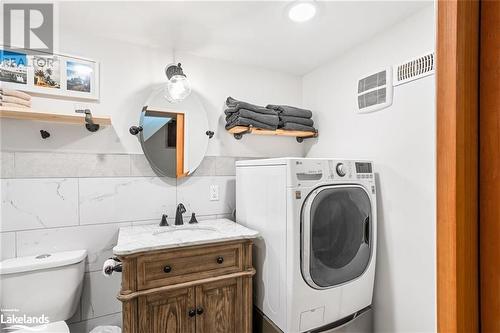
[
  {"x": 178, "y": 214},
  {"x": 164, "y": 222}
]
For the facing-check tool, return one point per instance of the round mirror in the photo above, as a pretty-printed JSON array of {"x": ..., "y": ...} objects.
[{"x": 173, "y": 136}]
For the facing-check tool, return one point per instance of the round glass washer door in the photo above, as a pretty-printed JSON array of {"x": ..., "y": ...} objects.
[{"x": 336, "y": 229}]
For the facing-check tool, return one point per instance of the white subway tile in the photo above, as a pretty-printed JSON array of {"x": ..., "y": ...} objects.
[
  {"x": 98, "y": 240},
  {"x": 225, "y": 166},
  {"x": 108, "y": 200},
  {"x": 43, "y": 164},
  {"x": 206, "y": 167},
  {"x": 105, "y": 165},
  {"x": 194, "y": 194},
  {"x": 140, "y": 167},
  {"x": 38, "y": 203},
  {"x": 6, "y": 164},
  {"x": 7, "y": 245},
  {"x": 99, "y": 295}
]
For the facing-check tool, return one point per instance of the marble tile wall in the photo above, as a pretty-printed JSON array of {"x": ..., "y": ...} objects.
[{"x": 62, "y": 201}]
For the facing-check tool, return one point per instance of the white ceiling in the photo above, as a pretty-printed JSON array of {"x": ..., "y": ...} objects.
[{"x": 251, "y": 33}]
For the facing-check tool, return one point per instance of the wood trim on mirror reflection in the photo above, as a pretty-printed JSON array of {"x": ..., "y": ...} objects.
[
  {"x": 457, "y": 165},
  {"x": 179, "y": 149}
]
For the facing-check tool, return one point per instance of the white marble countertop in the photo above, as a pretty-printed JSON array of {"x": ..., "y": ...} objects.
[{"x": 141, "y": 238}]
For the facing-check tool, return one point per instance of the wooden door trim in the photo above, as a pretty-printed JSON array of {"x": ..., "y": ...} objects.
[
  {"x": 457, "y": 165},
  {"x": 489, "y": 166}
]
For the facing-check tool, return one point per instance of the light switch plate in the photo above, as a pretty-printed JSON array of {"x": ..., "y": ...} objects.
[{"x": 214, "y": 193}]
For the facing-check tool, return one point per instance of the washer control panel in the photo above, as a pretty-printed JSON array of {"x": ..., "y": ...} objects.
[
  {"x": 305, "y": 172},
  {"x": 363, "y": 170}
]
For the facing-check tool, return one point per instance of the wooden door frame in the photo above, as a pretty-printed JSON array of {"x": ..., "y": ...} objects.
[
  {"x": 489, "y": 166},
  {"x": 457, "y": 165}
]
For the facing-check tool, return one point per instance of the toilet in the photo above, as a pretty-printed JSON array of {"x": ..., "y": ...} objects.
[{"x": 46, "y": 288}]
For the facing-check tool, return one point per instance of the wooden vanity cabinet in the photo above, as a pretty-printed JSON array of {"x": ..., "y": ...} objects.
[{"x": 202, "y": 289}]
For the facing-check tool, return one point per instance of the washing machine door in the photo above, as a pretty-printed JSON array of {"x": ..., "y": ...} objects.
[{"x": 336, "y": 229}]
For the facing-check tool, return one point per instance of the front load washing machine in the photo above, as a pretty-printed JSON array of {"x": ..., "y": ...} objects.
[{"x": 315, "y": 259}]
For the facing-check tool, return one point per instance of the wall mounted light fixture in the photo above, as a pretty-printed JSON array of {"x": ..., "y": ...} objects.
[{"x": 178, "y": 87}]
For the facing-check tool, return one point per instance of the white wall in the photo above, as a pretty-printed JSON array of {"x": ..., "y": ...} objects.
[
  {"x": 128, "y": 73},
  {"x": 76, "y": 189},
  {"x": 401, "y": 142}
]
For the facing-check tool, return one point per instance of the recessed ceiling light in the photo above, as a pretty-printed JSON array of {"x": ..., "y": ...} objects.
[{"x": 302, "y": 11}]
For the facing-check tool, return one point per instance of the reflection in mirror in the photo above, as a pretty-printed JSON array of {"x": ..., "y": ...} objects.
[
  {"x": 173, "y": 136},
  {"x": 163, "y": 141}
]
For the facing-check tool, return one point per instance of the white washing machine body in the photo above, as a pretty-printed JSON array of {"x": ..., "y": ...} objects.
[{"x": 317, "y": 218}]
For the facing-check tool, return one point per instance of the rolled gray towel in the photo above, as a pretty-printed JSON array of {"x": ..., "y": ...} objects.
[
  {"x": 269, "y": 119},
  {"x": 297, "y": 120},
  {"x": 240, "y": 121},
  {"x": 234, "y": 104},
  {"x": 298, "y": 127},
  {"x": 231, "y": 102},
  {"x": 231, "y": 111},
  {"x": 285, "y": 110}
]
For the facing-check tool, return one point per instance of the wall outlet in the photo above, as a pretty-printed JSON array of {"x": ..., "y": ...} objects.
[{"x": 214, "y": 193}]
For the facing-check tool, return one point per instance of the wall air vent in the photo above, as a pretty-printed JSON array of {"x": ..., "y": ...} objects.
[
  {"x": 414, "y": 69},
  {"x": 375, "y": 91}
]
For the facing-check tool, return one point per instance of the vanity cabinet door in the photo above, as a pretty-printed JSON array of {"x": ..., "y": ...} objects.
[
  {"x": 168, "y": 312},
  {"x": 219, "y": 307}
]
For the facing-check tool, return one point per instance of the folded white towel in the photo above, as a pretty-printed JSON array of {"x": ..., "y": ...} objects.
[
  {"x": 15, "y": 93},
  {"x": 14, "y": 105},
  {"x": 14, "y": 100}
]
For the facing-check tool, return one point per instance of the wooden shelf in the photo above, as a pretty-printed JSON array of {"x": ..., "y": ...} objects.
[
  {"x": 239, "y": 131},
  {"x": 30, "y": 114}
]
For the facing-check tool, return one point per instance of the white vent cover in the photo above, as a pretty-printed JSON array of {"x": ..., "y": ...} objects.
[
  {"x": 414, "y": 69},
  {"x": 375, "y": 91}
]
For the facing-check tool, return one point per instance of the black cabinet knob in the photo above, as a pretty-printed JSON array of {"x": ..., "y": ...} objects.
[
  {"x": 199, "y": 310},
  {"x": 167, "y": 269},
  {"x": 220, "y": 259},
  {"x": 192, "y": 313}
]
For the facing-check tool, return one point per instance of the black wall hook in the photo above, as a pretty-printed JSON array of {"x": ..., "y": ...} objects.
[
  {"x": 44, "y": 134},
  {"x": 90, "y": 125},
  {"x": 210, "y": 134}
]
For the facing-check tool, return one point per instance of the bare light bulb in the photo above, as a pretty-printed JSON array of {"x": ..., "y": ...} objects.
[
  {"x": 178, "y": 88},
  {"x": 302, "y": 11}
]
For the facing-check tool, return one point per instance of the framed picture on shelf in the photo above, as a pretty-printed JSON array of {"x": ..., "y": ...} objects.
[{"x": 49, "y": 74}]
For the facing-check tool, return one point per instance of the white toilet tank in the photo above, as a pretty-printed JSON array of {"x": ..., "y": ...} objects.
[{"x": 48, "y": 284}]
